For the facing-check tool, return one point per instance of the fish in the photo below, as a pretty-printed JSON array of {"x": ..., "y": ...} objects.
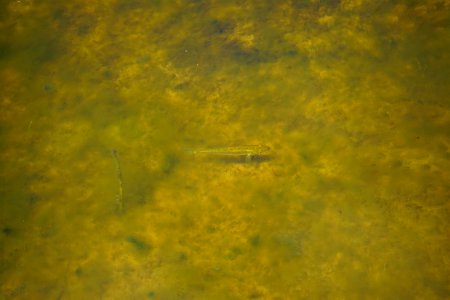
[{"x": 247, "y": 151}]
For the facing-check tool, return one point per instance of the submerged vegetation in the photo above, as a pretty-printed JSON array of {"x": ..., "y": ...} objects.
[{"x": 350, "y": 201}]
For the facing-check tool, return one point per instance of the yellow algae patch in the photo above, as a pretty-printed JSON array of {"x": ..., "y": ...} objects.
[
  {"x": 353, "y": 4},
  {"x": 243, "y": 34},
  {"x": 326, "y": 20},
  {"x": 358, "y": 150}
]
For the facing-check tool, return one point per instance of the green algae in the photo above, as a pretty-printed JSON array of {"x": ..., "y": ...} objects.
[
  {"x": 350, "y": 95},
  {"x": 138, "y": 244}
]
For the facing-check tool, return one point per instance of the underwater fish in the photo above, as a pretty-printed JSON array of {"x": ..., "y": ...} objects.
[{"x": 247, "y": 151}]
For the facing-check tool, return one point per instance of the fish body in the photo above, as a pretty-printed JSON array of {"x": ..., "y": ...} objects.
[{"x": 245, "y": 150}]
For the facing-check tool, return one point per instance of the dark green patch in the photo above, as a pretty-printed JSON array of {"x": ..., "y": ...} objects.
[
  {"x": 151, "y": 295},
  {"x": 107, "y": 74},
  {"x": 234, "y": 253},
  {"x": 216, "y": 27},
  {"x": 255, "y": 295},
  {"x": 108, "y": 108},
  {"x": 143, "y": 59},
  {"x": 307, "y": 157},
  {"x": 291, "y": 52},
  {"x": 273, "y": 198},
  {"x": 170, "y": 163},
  {"x": 182, "y": 257},
  {"x": 247, "y": 56},
  {"x": 255, "y": 240},
  {"x": 302, "y": 4},
  {"x": 329, "y": 184},
  {"x": 5, "y": 50},
  {"x": 182, "y": 86},
  {"x": 7, "y": 230},
  {"x": 38, "y": 44},
  {"x": 211, "y": 229},
  {"x": 289, "y": 245},
  {"x": 396, "y": 163},
  {"x": 332, "y": 3},
  {"x": 33, "y": 198},
  {"x": 138, "y": 244},
  {"x": 126, "y": 5},
  {"x": 45, "y": 49},
  {"x": 313, "y": 206},
  {"x": 84, "y": 29},
  {"x": 59, "y": 14},
  {"x": 48, "y": 87},
  {"x": 123, "y": 6}
]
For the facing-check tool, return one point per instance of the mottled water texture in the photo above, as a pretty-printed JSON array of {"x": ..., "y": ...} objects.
[{"x": 102, "y": 101}]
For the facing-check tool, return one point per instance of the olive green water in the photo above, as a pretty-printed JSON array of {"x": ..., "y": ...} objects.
[{"x": 103, "y": 104}]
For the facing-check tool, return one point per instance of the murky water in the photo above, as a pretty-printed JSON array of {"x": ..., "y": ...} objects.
[{"x": 105, "y": 105}]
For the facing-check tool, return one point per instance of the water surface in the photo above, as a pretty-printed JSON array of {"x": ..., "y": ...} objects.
[{"x": 100, "y": 100}]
